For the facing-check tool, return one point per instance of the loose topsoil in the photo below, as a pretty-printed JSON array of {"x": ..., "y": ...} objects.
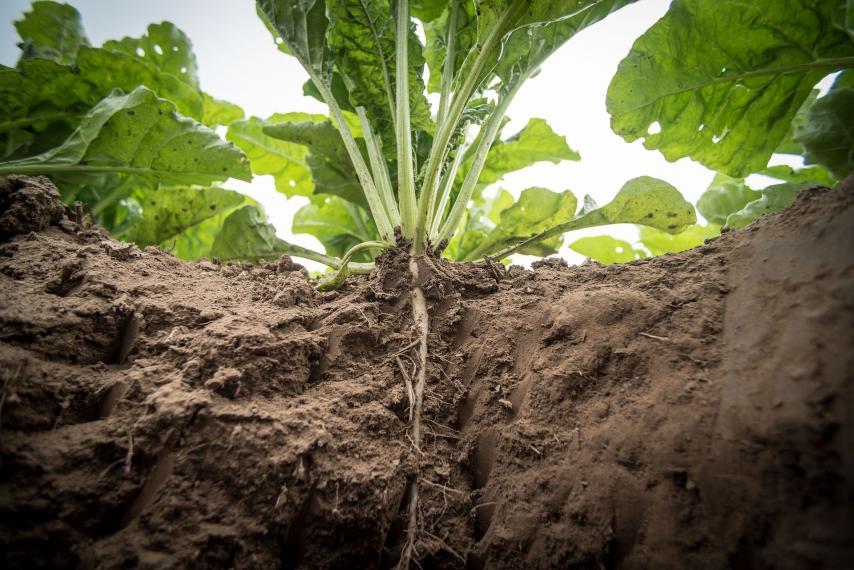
[{"x": 688, "y": 411}]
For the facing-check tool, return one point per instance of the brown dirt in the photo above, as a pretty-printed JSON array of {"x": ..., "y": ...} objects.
[{"x": 687, "y": 411}]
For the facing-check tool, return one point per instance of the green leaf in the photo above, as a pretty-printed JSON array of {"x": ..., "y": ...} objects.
[
  {"x": 607, "y": 250},
  {"x": 196, "y": 241},
  {"x": 220, "y": 112},
  {"x": 772, "y": 199},
  {"x": 659, "y": 242},
  {"x": 337, "y": 224},
  {"x": 815, "y": 175},
  {"x": 722, "y": 81},
  {"x": 723, "y": 197},
  {"x": 537, "y": 210},
  {"x": 165, "y": 47},
  {"x": 285, "y": 161},
  {"x": 246, "y": 236},
  {"x": 789, "y": 145},
  {"x": 167, "y": 212},
  {"x": 331, "y": 168},
  {"x": 361, "y": 33},
  {"x": 828, "y": 133},
  {"x": 644, "y": 200},
  {"x": 142, "y": 135},
  {"x": 650, "y": 202},
  {"x": 537, "y": 142},
  {"x": 51, "y": 31},
  {"x": 106, "y": 70},
  {"x": 339, "y": 92},
  {"x": 300, "y": 27}
]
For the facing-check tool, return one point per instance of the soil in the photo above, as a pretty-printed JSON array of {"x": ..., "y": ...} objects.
[{"x": 688, "y": 411}]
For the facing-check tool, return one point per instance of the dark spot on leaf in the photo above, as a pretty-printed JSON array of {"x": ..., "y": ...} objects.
[
  {"x": 224, "y": 169},
  {"x": 213, "y": 206},
  {"x": 183, "y": 209},
  {"x": 671, "y": 214},
  {"x": 672, "y": 227},
  {"x": 156, "y": 218},
  {"x": 131, "y": 113},
  {"x": 153, "y": 203},
  {"x": 649, "y": 215},
  {"x": 189, "y": 142}
]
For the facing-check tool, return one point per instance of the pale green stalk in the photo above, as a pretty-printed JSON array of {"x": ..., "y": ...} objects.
[
  {"x": 367, "y": 182},
  {"x": 446, "y": 129},
  {"x": 379, "y": 168},
  {"x": 489, "y": 132},
  {"x": 345, "y": 268},
  {"x": 448, "y": 69},
  {"x": 450, "y": 177},
  {"x": 405, "y": 176}
]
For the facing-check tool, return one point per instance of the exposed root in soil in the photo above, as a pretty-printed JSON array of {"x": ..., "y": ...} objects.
[{"x": 421, "y": 323}]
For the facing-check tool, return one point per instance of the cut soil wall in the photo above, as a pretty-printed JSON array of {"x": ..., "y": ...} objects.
[{"x": 688, "y": 411}]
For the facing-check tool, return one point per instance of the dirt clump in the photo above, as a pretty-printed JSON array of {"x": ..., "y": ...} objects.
[{"x": 691, "y": 410}]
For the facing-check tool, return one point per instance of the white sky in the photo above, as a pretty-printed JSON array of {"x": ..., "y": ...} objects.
[{"x": 239, "y": 62}]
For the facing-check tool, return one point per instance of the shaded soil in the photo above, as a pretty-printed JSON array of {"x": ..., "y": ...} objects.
[{"x": 687, "y": 411}]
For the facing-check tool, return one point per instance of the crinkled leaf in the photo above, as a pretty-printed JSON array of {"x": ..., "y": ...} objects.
[
  {"x": 723, "y": 197},
  {"x": 220, "y": 112},
  {"x": 362, "y": 35},
  {"x": 607, "y": 250},
  {"x": 828, "y": 133},
  {"x": 330, "y": 164},
  {"x": 338, "y": 224},
  {"x": 285, "y": 161},
  {"x": 721, "y": 81},
  {"x": 772, "y": 199},
  {"x": 169, "y": 211},
  {"x": 42, "y": 92},
  {"x": 51, "y": 31},
  {"x": 142, "y": 135},
  {"x": 300, "y": 26},
  {"x": 106, "y": 70},
  {"x": 659, "y": 242},
  {"x": 165, "y": 47},
  {"x": 531, "y": 31},
  {"x": 245, "y": 235}
]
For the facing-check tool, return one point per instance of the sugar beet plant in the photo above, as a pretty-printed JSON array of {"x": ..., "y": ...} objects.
[{"x": 126, "y": 129}]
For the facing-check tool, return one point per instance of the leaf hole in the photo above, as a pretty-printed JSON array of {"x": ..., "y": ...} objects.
[
  {"x": 158, "y": 50},
  {"x": 183, "y": 69},
  {"x": 292, "y": 184},
  {"x": 140, "y": 52},
  {"x": 654, "y": 128}
]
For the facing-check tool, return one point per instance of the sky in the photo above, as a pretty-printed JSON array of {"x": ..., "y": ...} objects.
[{"x": 239, "y": 62}]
